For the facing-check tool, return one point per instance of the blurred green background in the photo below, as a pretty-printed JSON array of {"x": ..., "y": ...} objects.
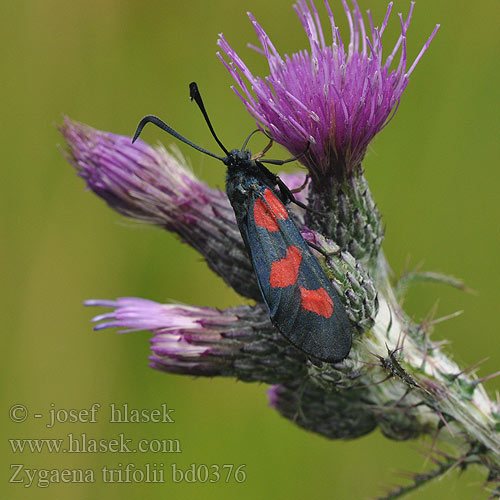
[{"x": 433, "y": 172}]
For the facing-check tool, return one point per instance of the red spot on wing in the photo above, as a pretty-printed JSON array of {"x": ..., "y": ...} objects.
[
  {"x": 275, "y": 204},
  {"x": 317, "y": 301},
  {"x": 266, "y": 213},
  {"x": 264, "y": 217},
  {"x": 284, "y": 272}
]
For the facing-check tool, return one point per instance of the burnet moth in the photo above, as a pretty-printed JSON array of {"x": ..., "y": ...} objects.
[{"x": 302, "y": 303}]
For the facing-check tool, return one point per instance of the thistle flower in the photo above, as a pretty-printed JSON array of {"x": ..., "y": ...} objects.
[
  {"x": 238, "y": 342},
  {"x": 337, "y": 96}
]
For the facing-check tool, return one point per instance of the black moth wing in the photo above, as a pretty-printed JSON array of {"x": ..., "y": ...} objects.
[{"x": 326, "y": 338}]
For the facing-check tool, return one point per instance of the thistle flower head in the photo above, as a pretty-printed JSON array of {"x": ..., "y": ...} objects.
[
  {"x": 137, "y": 180},
  {"x": 336, "y": 96},
  {"x": 238, "y": 342}
]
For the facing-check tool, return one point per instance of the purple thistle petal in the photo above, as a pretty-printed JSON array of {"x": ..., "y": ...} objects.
[
  {"x": 336, "y": 100},
  {"x": 239, "y": 342}
]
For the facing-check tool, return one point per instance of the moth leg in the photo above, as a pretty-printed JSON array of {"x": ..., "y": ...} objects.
[
  {"x": 282, "y": 162},
  {"x": 287, "y": 196},
  {"x": 264, "y": 151},
  {"x": 299, "y": 189},
  {"x": 245, "y": 144}
]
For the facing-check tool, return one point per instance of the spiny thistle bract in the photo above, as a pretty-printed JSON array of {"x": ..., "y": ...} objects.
[{"x": 337, "y": 96}]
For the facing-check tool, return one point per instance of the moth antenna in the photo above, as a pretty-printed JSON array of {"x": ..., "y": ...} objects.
[
  {"x": 161, "y": 124},
  {"x": 195, "y": 95}
]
